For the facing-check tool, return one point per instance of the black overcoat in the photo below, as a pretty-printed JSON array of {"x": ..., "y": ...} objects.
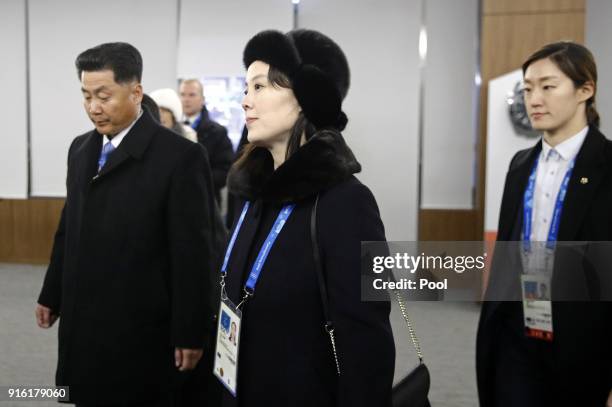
[
  {"x": 285, "y": 355},
  {"x": 582, "y": 354},
  {"x": 214, "y": 138},
  {"x": 130, "y": 271}
]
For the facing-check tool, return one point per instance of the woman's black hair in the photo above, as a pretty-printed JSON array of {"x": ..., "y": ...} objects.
[{"x": 575, "y": 61}]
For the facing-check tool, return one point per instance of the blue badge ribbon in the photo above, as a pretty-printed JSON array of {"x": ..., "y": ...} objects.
[
  {"x": 528, "y": 199},
  {"x": 230, "y": 246},
  {"x": 280, "y": 221}
]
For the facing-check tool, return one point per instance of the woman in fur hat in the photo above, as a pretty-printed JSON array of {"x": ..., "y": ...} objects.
[{"x": 295, "y": 86}]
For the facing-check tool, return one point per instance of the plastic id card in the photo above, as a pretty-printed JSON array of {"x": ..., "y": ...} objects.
[
  {"x": 228, "y": 342},
  {"x": 537, "y": 308}
]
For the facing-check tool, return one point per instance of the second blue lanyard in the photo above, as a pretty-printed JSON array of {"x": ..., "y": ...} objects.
[
  {"x": 528, "y": 200},
  {"x": 280, "y": 221}
]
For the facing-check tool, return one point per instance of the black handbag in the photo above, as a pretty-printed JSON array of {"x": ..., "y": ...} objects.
[{"x": 412, "y": 390}]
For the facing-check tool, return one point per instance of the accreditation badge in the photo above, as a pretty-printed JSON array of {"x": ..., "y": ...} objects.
[
  {"x": 228, "y": 341},
  {"x": 537, "y": 307}
]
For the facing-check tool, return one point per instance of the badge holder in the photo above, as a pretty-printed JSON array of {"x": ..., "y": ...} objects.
[
  {"x": 535, "y": 288},
  {"x": 537, "y": 308},
  {"x": 228, "y": 342},
  {"x": 230, "y": 315}
]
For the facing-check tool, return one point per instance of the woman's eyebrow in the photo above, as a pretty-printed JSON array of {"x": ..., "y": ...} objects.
[{"x": 541, "y": 79}]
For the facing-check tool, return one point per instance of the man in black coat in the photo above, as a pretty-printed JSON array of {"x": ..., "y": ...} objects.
[
  {"x": 211, "y": 134},
  {"x": 130, "y": 275}
]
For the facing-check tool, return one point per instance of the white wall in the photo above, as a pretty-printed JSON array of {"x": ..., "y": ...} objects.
[
  {"x": 213, "y": 33},
  {"x": 59, "y": 31},
  {"x": 450, "y": 104},
  {"x": 13, "y": 104},
  {"x": 380, "y": 40},
  {"x": 598, "y": 35}
]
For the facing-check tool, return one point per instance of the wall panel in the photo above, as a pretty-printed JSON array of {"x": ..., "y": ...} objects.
[
  {"x": 212, "y": 34},
  {"x": 28, "y": 227},
  {"x": 450, "y": 104},
  {"x": 508, "y": 40},
  {"x": 13, "y": 104},
  {"x": 447, "y": 225},
  {"x": 506, "y": 7},
  {"x": 382, "y": 103},
  {"x": 598, "y": 36}
]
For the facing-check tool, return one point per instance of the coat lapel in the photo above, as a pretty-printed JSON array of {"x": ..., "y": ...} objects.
[
  {"x": 585, "y": 179},
  {"x": 133, "y": 145},
  {"x": 86, "y": 166},
  {"x": 115, "y": 160},
  {"x": 515, "y": 189}
]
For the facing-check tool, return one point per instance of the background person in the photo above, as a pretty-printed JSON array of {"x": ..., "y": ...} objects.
[
  {"x": 211, "y": 134},
  {"x": 171, "y": 111}
]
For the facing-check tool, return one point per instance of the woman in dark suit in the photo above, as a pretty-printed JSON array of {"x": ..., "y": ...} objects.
[
  {"x": 556, "y": 192},
  {"x": 295, "y": 86}
]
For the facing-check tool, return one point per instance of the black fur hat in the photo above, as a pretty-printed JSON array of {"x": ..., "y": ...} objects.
[{"x": 316, "y": 66}]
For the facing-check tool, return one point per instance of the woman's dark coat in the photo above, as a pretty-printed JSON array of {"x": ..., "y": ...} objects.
[
  {"x": 581, "y": 349},
  {"x": 285, "y": 355}
]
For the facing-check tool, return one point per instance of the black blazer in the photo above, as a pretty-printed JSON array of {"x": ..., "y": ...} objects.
[
  {"x": 131, "y": 271},
  {"x": 583, "y": 330}
]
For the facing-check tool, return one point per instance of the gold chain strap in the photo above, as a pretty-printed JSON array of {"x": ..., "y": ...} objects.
[
  {"x": 413, "y": 337},
  {"x": 333, "y": 342}
]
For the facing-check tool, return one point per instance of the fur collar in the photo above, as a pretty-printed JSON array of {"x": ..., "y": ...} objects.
[{"x": 322, "y": 162}]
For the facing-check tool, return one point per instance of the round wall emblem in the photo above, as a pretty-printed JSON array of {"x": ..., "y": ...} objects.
[{"x": 518, "y": 112}]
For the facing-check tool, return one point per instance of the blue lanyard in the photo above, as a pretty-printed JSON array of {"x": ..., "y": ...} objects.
[
  {"x": 230, "y": 246},
  {"x": 528, "y": 198},
  {"x": 281, "y": 219}
]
